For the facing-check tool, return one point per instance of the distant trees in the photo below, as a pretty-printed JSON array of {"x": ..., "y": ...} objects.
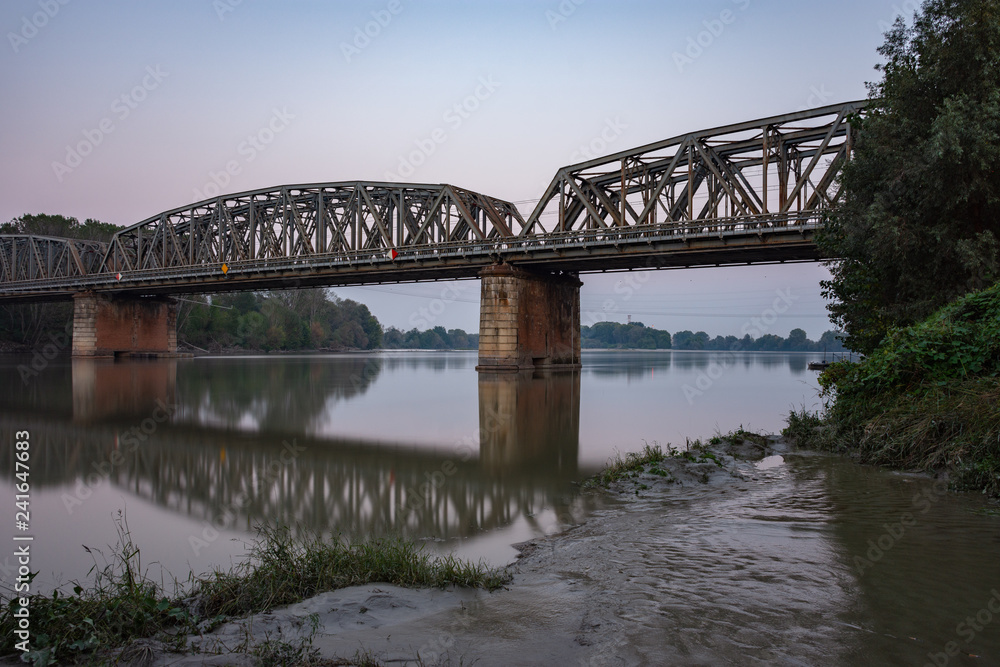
[
  {"x": 44, "y": 224},
  {"x": 637, "y": 336},
  {"x": 797, "y": 341},
  {"x": 437, "y": 338},
  {"x": 303, "y": 319},
  {"x": 634, "y": 335},
  {"x": 28, "y": 325}
]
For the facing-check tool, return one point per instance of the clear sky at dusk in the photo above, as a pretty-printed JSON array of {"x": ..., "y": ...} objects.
[{"x": 118, "y": 110}]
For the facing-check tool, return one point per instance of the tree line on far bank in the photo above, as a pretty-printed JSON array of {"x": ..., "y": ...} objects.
[
  {"x": 283, "y": 320},
  {"x": 636, "y": 335},
  {"x": 437, "y": 338}
]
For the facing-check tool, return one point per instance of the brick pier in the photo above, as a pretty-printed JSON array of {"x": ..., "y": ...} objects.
[
  {"x": 105, "y": 326},
  {"x": 528, "y": 320}
]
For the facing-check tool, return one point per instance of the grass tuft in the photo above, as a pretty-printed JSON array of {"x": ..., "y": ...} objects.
[
  {"x": 623, "y": 467},
  {"x": 283, "y": 569},
  {"x": 122, "y": 604},
  {"x": 804, "y": 428},
  {"x": 119, "y": 605}
]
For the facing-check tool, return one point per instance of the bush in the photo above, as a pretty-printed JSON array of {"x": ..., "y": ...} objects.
[{"x": 928, "y": 397}]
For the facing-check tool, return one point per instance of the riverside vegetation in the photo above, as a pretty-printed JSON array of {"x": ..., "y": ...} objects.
[
  {"x": 927, "y": 398},
  {"x": 696, "y": 462},
  {"x": 123, "y": 604},
  {"x": 917, "y": 247}
]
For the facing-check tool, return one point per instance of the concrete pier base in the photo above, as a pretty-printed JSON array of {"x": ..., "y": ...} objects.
[
  {"x": 528, "y": 320},
  {"x": 105, "y": 326}
]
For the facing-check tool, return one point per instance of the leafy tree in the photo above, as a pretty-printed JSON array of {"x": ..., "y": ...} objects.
[
  {"x": 44, "y": 224},
  {"x": 686, "y": 340},
  {"x": 796, "y": 340},
  {"x": 769, "y": 343},
  {"x": 350, "y": 334},
  {"x": 920, "y": 221},
  {"x": 432, "y": 339},
  {"x": 394, "y": 338},
  {"x": 252, "y": 330},
  {"x": 632, "y": 335},
  {"x": 832, "y": 341},
  {"x": 278, "y": 320}
]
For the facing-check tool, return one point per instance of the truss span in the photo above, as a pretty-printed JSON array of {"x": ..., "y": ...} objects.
[
  {"x": 762, "y": 173},
  {"x": 303, "y": 221},
  {"x": 33, "y": 258},
  {"x": 752, "y": 192}
]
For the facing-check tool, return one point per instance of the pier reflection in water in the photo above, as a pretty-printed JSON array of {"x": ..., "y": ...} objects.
[{"x": 202, "y": 453}]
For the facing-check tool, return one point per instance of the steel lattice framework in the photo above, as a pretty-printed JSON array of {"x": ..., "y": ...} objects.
[
  {"x": 30, "y": 258},
  {"x": 302, "y": 221},
  {"x": 755, "y": 174},
  {"x": 745, "y": 193}
]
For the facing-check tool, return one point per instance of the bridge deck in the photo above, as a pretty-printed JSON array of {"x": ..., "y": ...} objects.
[{"x": 769, "y": 239}]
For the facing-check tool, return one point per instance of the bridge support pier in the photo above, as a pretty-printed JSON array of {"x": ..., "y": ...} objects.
[
  {"x": 106, "y": 326},
  {"x": 528, "y": 320}
]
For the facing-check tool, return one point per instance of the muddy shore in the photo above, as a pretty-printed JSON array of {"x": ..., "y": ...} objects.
[{"x": 581, "y": 596}]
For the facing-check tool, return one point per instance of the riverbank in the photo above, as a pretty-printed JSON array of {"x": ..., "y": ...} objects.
[
  {"x": 926, "y": 399},
  {"x": 751, "y": 560},
  {"x": 722, "y": 552},
  {"x": 568, "y": 601}
]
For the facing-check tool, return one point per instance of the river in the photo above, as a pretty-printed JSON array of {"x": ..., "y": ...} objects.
[{"x": 195, "y": 452}]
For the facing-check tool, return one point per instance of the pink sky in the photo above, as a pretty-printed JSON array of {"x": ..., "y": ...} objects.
[{"x": 122, "y": 110}]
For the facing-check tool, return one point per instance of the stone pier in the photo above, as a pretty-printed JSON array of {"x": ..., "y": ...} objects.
[
  {"x": 528, "y": 320},
  {"x": 106, "y": 326}
]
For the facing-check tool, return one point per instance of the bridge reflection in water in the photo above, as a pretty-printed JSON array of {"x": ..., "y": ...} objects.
[{"x": 234, "y": 449}]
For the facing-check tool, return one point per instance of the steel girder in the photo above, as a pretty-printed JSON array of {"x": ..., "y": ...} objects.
[
  {"x": 30, "y": 257},
  {"x": 763, "y": 171},
  {"x": 743, "y": 193},
  {"x": 302, "y": 221}
]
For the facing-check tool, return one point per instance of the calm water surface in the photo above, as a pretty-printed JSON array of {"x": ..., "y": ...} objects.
[{"x": 198, "y": 451}]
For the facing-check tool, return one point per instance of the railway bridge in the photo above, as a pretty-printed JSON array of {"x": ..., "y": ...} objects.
[{"x": 749, "y": 193}]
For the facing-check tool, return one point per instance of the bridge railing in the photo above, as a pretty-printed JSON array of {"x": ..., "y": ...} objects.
[{"x": 479, "y": 253}]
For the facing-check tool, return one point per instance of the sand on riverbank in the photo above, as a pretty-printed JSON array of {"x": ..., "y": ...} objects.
[{"x": 572, "y": 598}]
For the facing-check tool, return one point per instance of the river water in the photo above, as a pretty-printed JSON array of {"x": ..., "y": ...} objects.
[{"x": 196, "y": 452}]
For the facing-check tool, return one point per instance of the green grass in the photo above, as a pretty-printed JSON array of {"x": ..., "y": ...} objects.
[
  {"x": 927, "y": 398},
  {"x": 741, "y": 435},
  {"x": 627, "y": 466},
  {"x": 952, "y": 426},
  {"x": 121, "y": 603},
  {"x": 802, "y": 428},
  {"x": 283, "y": 569}
]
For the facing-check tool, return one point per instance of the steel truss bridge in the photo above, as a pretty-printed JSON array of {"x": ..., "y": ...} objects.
[{"x": 753, "y": 192}]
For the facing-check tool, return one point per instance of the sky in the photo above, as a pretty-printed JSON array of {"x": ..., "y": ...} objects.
[{"x": 120, "y": 110}]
